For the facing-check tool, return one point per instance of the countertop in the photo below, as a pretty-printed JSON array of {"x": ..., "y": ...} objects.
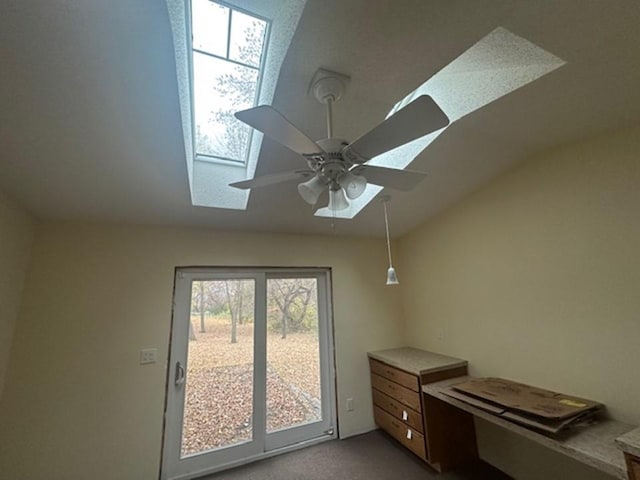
[
  {"x": 630, "y": 442},
  {"x": 418, "y": 362}
]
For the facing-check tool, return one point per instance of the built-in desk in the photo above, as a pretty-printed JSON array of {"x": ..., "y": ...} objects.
[{"x": 594, "y": 445}]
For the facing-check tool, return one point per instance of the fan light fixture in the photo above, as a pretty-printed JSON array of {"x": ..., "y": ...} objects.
[
  {"x": 392, "y": 278},
  {"x": 354, "y": 185},
  {"x": 337, "y": 200},
  {"x": 311, "y": 190}
]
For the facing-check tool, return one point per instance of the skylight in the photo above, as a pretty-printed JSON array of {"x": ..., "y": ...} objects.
[
  {"x": 228, "y": 48},
  {"x": 496, "y": 65},
  {"x": 217, "y": 37}
]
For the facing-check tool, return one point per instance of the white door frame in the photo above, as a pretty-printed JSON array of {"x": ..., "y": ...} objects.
[{"x": 263, "y": 444}]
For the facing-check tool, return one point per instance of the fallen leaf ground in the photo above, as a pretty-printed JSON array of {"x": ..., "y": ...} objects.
[{"x": 218, "y": 400}]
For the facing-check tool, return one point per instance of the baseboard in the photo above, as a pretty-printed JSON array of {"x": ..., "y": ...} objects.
[
  {"x": 368, "y": 429},
  {"x": 253, "y": 458}
]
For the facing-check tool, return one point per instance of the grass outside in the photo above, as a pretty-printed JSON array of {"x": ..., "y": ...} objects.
[{"x": 218, "y": 398}]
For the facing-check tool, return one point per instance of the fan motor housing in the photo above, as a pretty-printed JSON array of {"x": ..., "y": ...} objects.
[
  {"x": 333, "y": 164},
  {"x": 333, "y": 146}
]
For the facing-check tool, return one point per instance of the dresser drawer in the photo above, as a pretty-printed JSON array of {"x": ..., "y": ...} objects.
[
  {"x": 403, "y": 413},
  {"x": 407, "y": 436},
  {"x": 398, "y": 376},
  {"x": 398, "y": 392}
]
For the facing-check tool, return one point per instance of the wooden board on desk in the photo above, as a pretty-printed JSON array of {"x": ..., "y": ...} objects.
[
  {"x": 526, "y": 399},
  {"x": 551, "y": 426}
]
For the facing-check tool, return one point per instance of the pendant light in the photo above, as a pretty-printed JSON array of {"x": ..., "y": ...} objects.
[{"x": 392, "y": 278}]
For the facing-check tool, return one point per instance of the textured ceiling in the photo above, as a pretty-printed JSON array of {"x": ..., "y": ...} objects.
[{"x": 90, "y": 123}]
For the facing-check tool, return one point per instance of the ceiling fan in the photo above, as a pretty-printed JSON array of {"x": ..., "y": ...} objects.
[{"x": 336, "y": 165}]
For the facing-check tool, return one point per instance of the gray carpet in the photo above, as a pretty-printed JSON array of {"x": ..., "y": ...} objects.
[{"x": 372, "y": 456}]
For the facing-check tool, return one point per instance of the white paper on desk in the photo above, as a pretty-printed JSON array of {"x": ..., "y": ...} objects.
[
  {"x": 409, "y": 434},
  {"x": 405, "y": 415}
]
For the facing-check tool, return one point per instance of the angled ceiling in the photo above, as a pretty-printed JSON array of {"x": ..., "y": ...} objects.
[{"x": 90, "y": 122}]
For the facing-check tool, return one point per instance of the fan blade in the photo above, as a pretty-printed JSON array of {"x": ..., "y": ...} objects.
[
  {"x": 390, "y": 177},
  {"x": 272, "y": 179},
  {"x": 274, "y": 125},
  {"x": 418, "y": 118}
]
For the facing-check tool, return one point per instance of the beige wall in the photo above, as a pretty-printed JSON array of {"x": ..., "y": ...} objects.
[
  {"x": 536, "y": 278},
  {"x": 533, "y": 278},
  {"x": 16, "y": 236},
  {"x": 79, "y": 406}
]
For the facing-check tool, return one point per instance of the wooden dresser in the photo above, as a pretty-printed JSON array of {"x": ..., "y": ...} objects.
[
  {"x": 633, "y": 466},
  {"x": 442, "y": 436},
  {"x": 630, "y": 445}
]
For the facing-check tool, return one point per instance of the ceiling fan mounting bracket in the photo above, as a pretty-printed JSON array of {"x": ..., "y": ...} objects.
[{"x": 327, "y": 85}]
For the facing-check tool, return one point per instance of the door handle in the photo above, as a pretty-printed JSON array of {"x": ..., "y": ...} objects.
[{"x": 179, "y": 377}]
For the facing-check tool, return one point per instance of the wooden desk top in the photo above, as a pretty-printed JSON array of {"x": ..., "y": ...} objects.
[{"x": 594, "y": 445}]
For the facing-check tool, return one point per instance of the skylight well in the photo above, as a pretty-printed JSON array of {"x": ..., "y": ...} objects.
[
  {"x": 228, "y": 57},
  {"x": 228, "y": 47}
]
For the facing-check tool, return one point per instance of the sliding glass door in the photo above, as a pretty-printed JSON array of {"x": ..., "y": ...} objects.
[{"x": 251, "y": 368}]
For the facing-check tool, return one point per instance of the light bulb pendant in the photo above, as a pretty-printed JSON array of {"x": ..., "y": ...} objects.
[{"x": 392, "y": 278}]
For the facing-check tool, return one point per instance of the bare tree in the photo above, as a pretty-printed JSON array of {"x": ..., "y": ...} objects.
[
  {"x": 239, "y": 88},
  {"x": 234, "y": 328},
  {"x": 200, "y": 302},
  {"x": 215, "y": 296},
  {"x": 235, "y": 292},
  {"x": 289, "y": 293},
  {"x": 202, "y": 308}
]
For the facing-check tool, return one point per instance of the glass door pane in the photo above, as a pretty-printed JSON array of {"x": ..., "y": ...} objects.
[
  {"x": 293, "y": 353},
  {"x": 250, "y": 367},
  {"x": 218, "y": 404}
]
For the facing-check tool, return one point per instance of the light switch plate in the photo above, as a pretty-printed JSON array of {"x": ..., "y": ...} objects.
[
  {"x": 148, "y": 355},
  {"x": 349, "y": 404}
]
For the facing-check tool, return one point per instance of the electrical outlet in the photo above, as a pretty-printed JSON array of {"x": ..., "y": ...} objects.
[
  {"x": 148, "y": 355},
  {"x": 349, "y": 404}
]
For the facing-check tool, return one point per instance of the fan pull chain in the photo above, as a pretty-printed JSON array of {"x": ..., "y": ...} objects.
[{"x": 333, "y": 220}]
